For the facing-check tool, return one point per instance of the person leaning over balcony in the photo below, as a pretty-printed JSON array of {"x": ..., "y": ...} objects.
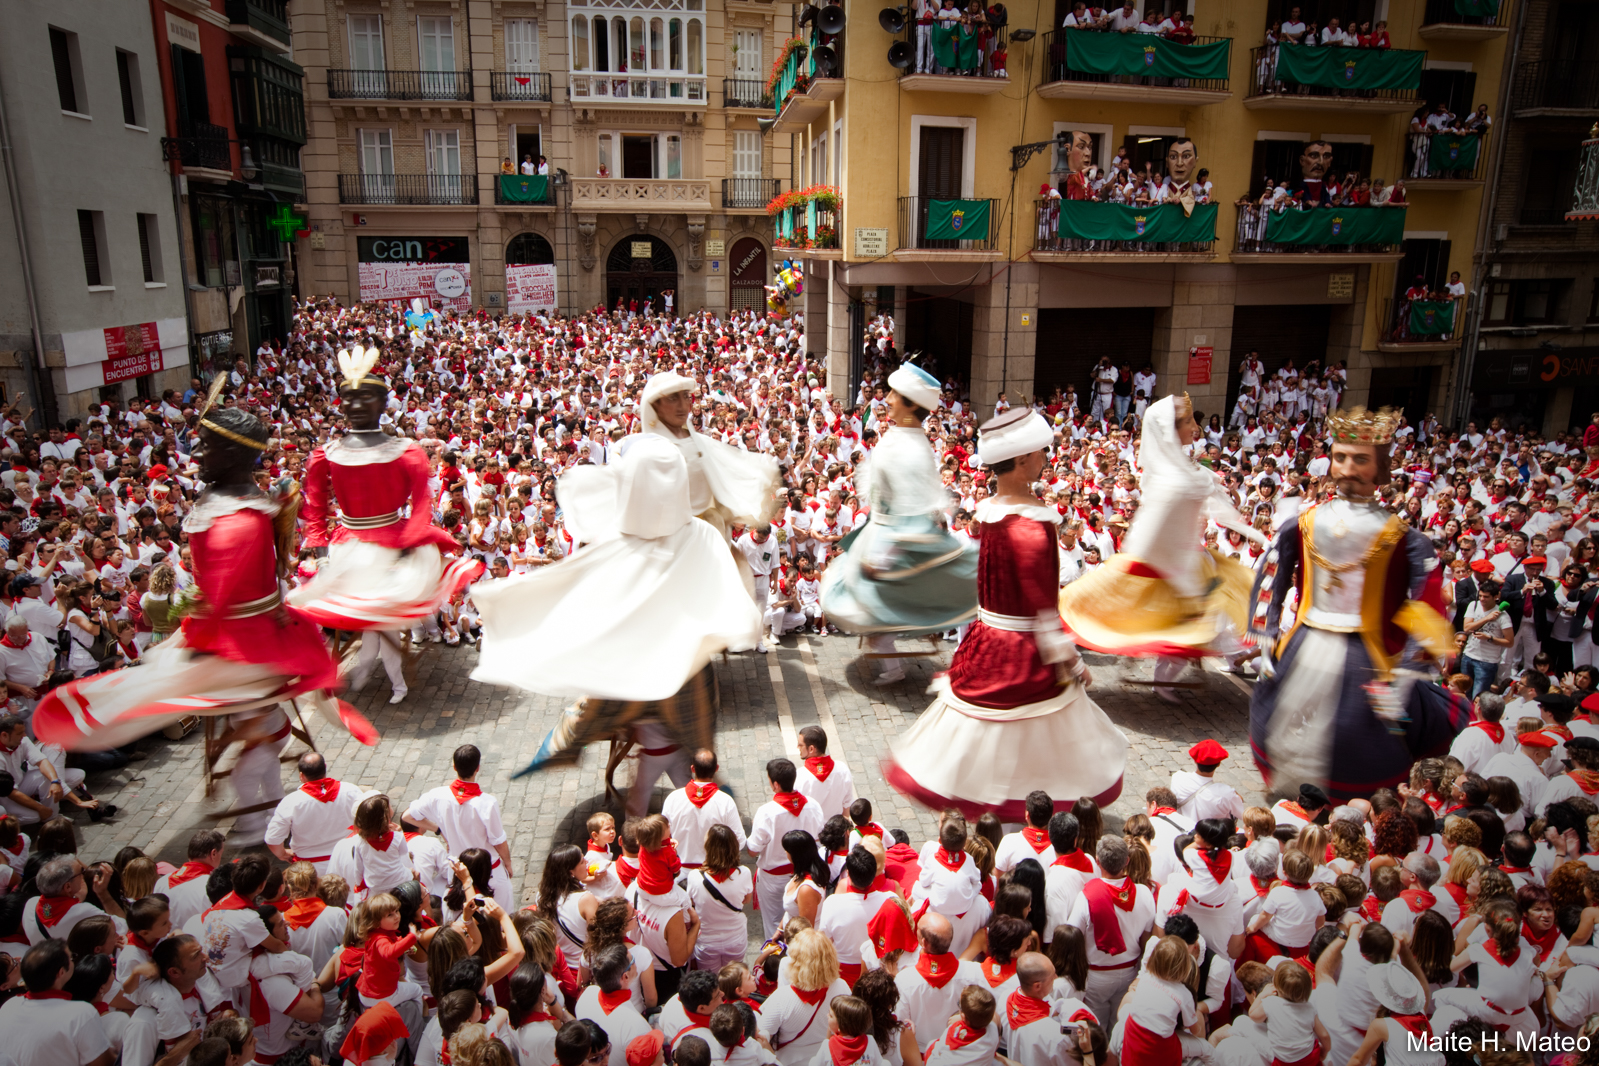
[
  {"x": 1076, "y": 17},
  {"x": 544, "y": 165},
  {"x": 1294, "y": 28},
  {"x": 506, "y": 167},
  {"x": 1379, "y": 36},
  {"x": 1183, "y": 31},
  {"x": 926, "y": 10},
  {"x": 1126, "y": 18}
]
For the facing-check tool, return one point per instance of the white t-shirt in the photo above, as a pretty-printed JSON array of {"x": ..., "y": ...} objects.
[
  {"x": 51, "y": 1032},
  {"x": 1479, "y": 648}
]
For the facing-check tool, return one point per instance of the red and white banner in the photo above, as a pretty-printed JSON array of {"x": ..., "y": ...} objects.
[
  {"x": 96, "y": 357},
  {"x": 447, "y": 285},
  {"x": 530, "y": 288}
]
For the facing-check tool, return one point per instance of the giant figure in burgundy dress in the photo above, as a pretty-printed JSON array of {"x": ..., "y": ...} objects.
[
  {"x": 384, "y": 571},
  {"x": 240, "y": 648},
  {"x": 1012, "y": 714}
]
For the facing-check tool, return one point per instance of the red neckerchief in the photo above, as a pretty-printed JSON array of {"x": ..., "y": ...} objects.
[
  {"x": 138, "y": 941},
  {"x": 1587, "y": 780},
  {"x": 300, "y": 913},
  {"x": 1260, "y": 889},
  {"x": 948, "y": 861},
  {"x": 1458, "y": 894},
  {"x": 382, "y": 843},
  {"x": 937, "y": 970},
  {"x": 1495, "y": 731},
  {"x": 1545, "y": 943},
  {"x": 54, "y": 908},
  {"x": 1294, "y": 809},
  {"x": 188, "y": 872},
  {"x": 1563, "y": 732},
  {"x": 1022, "y": 1009},
  {"x": 1104, "y": 900},
  {"x": 997, "y": 974},
  {"x": 890, "y": 929},
  {"x": 1037, "y": 839},
  {"x": 609, "y": 1001},
  {"x": 626, "y": 869},
  {"x": 229, "y": 902},
  {"x": 596, "y": 846},
  {"x": 1515, "y": 869},
  {"x": 16, "y": 850},
  {"x": 846, "y": 1050},
  {"x": 19, "y": 937},
  {"x": 1418, "y": 899},
  {"x": 812, "y": 997},
  {"x": 1158, "y": 811},
  {"x": 792, "y": 802},
  {"x": 700, "y": 792},
  {"x": 1220, "y": 869},
  {"x": 820, "y": 766},
  {"x": 1074, "y": 859},
  {"x": 870, "y": 829},
  {"x": 1492, "y": 947},
  {"x": 323, "y": 789},
  {"x": 46, "y": 995},
  {"x": 7, "y": 641},
  {"x": 464, "y": 790},
  {"x": 960, "y": 1034},
  {"x": 260, "y": 1009},
  {"x": 1415, "y": 1024}
]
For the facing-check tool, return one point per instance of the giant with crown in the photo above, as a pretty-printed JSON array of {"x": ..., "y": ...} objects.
[{"x": 1342, "y": 702}]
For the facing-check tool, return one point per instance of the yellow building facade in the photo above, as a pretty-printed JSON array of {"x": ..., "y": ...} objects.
[{"x": 1025, "y": 311}]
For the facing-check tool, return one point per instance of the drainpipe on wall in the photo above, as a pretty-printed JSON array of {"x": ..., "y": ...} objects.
[{"x": 38, "y": 376}]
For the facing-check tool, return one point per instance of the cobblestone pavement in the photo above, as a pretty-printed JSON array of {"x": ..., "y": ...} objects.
[{"x": 764, "y": 699}]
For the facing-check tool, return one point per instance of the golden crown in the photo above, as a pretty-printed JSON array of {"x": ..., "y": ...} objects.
[{"x": 1361, "y": 426}]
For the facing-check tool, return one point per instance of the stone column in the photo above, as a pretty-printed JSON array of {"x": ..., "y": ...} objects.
[
  {"x": 1004, "y": 345},
  {"x": 1200, "y": 315},
  {"x": 1345, "y": 330}
]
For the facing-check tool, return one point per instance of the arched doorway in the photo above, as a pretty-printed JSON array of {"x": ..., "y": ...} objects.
[
  {"x": 529, "y": 249},
  {"x": 640, "y": 268},
  {"x": 747, "y": 275}
]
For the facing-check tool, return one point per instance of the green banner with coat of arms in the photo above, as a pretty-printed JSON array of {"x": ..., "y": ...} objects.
[
  {"x": 524, "y": 188},
  {"x": 1090, "y": 221},
  {"x": 1432, "y": 318},
  {"x": 1453, "y": 151},
  {"x": 1337, "y": 225},
  {"x": 959, "y": 220},
  {"x": 1349, "y": 68},
  {"x": 1144, "y": 53}
]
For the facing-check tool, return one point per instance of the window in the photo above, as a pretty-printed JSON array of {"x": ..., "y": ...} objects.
[
  {"x": 673, "y": 149},
  {"x": 69, "y": 71},
  {"x": 580, "y": 41},
  {"x": 838, "y": 153},
  {"x": 1498, "y": 310},
  {"x": 438, "y": 42},
  {"x": 91, "y": 235},
  {"x": 657, "y": 43},
  {"x": 132, "y": 89},
  {"x": 746, "y": 154},
  {"x": 522, "y": 46},
  {"x": 216, "y": 244},
  {"x": 150, "y": 249},
  {"x": 819, "y": 170},
  {"x": 696, "y": 47},
  {"x": 606, "y": 157},
  {"x": 1551, "y": 175},
  {"x": 377, "y": 151},
  {"x": 1593, "y": 302},
  {"x": 638, "y": 156},
  {"x": 366, "y": 42},
  {"x": 188, "y": 84},
  {"x": 444, "y": 152},
  {"x": 747, "y": 54},
  {"x": 1537, "y": 300},
  {"x": 1525, "y": 302}
]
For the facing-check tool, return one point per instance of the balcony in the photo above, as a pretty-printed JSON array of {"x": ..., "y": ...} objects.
[
  {"x": 936, "y": 229},
  {"x": 623, "y": 89},
  {"x": 528, "y": 86},
  {"x": 1547, "y": 89},
  {"x": 1465, "y": 20},
  {"x": 438, "y": 190},
  {"x": 519, "y": 190},
  {"x": 1085, "y": 231},
  {"x": 399, "y": 84},
  {"x": 278, "y": 165},
  {"x": 654, "y": 195},
  {"x": 268, "y": 95},
  {"x": 1319, "y": 235},
  {"x": 978, "y": 78},
  {"x": 1084, "y": 65},
  {"x": 1422, "y": 325},
  {"x": 742, "y": 193},
  {"x": 806, "y": 230},
  {"x": 203, "y": 151},
  {"x": 1446, "y": 160},
  {"x": 746, "y": 93},
  {"x": 802, "y": 93},
  {"x": 261, "y": 22},
  {"x": 1360, "y": 80}
]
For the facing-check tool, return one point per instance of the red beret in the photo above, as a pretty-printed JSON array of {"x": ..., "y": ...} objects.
[
  {"x": 1482, "y": 566},
  {"x": 373, "y": 1032},
  {"x": 1591, "y": 703},
  {"x": 1538, "y": 739},
  {"x": 1535, "y": 560},
  {"x": 1207, "y": 753},
  {"x": 641, "y": 1050}
]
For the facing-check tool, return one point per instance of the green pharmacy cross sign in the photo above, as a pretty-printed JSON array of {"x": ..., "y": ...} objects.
[{"x": 286, "y": 222}]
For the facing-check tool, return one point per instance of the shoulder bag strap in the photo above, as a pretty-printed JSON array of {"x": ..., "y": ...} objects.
[
  {"x": 710, "y": 887},
  {"x": 808, "y": 1023}
]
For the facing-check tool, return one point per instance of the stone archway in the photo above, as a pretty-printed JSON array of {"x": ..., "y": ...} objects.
[{"x": 631, "y": 274}]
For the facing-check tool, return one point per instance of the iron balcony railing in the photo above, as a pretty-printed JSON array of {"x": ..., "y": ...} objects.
[
  {"x": 1056, "y": 48},
  {"x": 1424, "y": 150},
  {"x": 270, "y": 17},
  {"x": 1447, "y": 319},
  {"x": 750, "y": 192},
  {"x": 400, "y": 84},
  {"x": 519, "y": 85},
  {"x": 1541, "y": 216},
  {"x": 1047, "y": 238},
  {"x": 1585, "y": 205},
  {"x": 744, "y": 92},
  {"x": 1556, "y": 85},
  {"x": 1445, "y": 11},
  {"x": 408, "y": 189},
  {"x": 913, "y": 223},
  {"x": 1251, "y": 237},
  {"x": 203, "y": 145},
  {"x": 1263, "y": 82},
  {"x": 979, "y": 63}
]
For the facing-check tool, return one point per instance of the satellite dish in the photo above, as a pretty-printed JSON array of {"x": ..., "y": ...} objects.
[
  {"x": 807, "y": 14},
  {"x": 892, "y": 19},
  {"x": 826, "y": 60},
  {"x": 831, "y": 20},
  {"x": 899, "y": 55}
]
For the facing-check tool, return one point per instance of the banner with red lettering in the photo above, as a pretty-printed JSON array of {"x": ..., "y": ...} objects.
[
  {"x": 530, "y": 288},
  {"x": 446, "y": 285}
]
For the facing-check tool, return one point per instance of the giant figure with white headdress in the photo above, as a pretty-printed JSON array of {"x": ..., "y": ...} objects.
[
  {"x": 903, "y": 573},
  {"x": 1013, "y": 713},
  {"x": 368, "y": 507}
]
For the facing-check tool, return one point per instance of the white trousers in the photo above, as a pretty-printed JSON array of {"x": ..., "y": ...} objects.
[
  {"x": 1106, "y": 988},
  {"x": 1168, "y": 670},
  {"x": 924, "y": 49},
  {"x": 257, "y": 779},
  {"x": 36, "y": 787},
  {"x": 675, "y": 765},
  {"x": 373, "y": 645},
  {"x": 769, "y": 890}
]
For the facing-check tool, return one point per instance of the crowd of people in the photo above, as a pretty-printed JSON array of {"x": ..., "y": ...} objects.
[{"x": 374, "y": 930}]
